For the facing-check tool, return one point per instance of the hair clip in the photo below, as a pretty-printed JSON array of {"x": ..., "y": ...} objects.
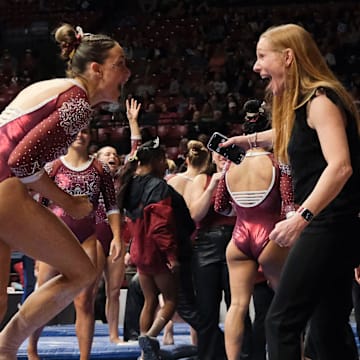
[
  {"x": 79, "y": 32},
  {"x": 132, "y": 158},
  {"x": 156, "y": 143}
]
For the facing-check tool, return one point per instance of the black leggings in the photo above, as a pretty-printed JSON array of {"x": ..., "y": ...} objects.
[
  {"x": 211, "y": 281},
  {"x": 316, "y": 285},
  {"x": 262, "y": 297}
]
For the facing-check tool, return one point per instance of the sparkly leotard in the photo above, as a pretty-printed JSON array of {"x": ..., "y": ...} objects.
[
  {"x": 30, "y": 139},
  {"x": 257, "y": 212},
  {"x": 92, "y": 179},
  {"x": 103, "y": 229}
]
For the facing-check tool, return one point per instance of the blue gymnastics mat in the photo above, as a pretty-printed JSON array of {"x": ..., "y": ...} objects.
[{"x": 59, "y": 342}]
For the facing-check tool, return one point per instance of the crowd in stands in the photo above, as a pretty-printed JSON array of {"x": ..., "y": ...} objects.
[{"x": 191, "y": 62}]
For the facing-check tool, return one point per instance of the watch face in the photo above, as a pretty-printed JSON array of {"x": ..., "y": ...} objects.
[{"x": 307, "y": 215}]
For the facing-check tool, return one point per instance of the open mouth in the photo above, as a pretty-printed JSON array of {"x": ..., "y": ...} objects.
[{"x": 266, "y": 79}]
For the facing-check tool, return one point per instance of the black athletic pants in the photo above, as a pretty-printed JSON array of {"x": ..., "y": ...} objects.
[{"x": 315, "y": 289}]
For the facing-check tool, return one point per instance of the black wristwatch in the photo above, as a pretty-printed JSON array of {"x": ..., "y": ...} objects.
[{"x": 306, "y": 214}]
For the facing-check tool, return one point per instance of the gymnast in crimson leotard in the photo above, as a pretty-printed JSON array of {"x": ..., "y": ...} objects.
[
  {"x": 258, "y": 211},
  {"x": 37, "y": 127},
  {"x": 114, "y": 271},
  {"x": 92, "y": 179},
  {"x": 259, "y": 192},
  {"x": 79, "y": 174},
  {"x": 52, "y": 137}
]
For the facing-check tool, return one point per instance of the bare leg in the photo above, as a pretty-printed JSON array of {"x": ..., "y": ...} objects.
[
  {"x": 242, "y": 273},
  {"x": 166, "y": 284},
  {"x": 45, "y": 273},
  {"x": 168, "y": 338},
  {"x": 193, "y": 336},
  {"x": 34, "y": 230},
  {"x": 84, "y": 307},
  {"x": 114, "y": 277},
  {"x": 151, "y": 302},
  {"x": 272, "y": 260},
  {"x": 114, "y": 273}
]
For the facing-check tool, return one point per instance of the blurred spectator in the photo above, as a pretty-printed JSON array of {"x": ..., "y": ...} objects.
[
  {"x": 28, "y": 66},
  {"x": 145, "y": 87},
  {"x": 196, "y": 58},
  {"x": 146, "y": 100},
  {"x": 166, "y": 116},
  {"x": 140, "y": 50},
  {"x": 218, "y": 84},
  {"x": 188, "y": 108},
  {"x": 217, "y": 102},
  {"x": 232, "y": 113},
  {"x": 195, "y": 127},
  {"x": 174, "y": 86},
  {"x": 217, "y": 60},
  {"x": 8, "y": 67},
  {"x": 220, "y": 123},
  {"x": 207, "y": 112},
  {"x": 150, "y": 116}
]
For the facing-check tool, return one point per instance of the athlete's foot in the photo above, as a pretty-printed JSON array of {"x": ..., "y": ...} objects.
[
  {"x": 32, "y": 354},
  {"x": 117, "y": 341},
  {"x": 168, "y": 338}
]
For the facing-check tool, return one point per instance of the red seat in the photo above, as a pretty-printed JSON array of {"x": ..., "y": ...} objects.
[
  {"x": 162, "y": 132},
  {"x": 172, "y": 152},
  {"x": 120, "y": 133},
  {"x": 175, "y": 134},
  {"x": 103, "y": 135},
  {"x": 179, "y": 130}
]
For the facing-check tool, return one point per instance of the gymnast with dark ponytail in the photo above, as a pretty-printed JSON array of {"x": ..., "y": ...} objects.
[{"x": 146, "y": 200}]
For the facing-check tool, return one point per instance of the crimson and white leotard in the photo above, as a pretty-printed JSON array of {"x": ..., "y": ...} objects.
[
  {"x": 91, "y": 179},
  {"x": 103, "y": 230},
  {"x": 257, "y": 212},
  {"x": 30, "y": 139}
]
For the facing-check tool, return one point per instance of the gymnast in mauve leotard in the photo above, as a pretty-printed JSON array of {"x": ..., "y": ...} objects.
[{"x": 259, "y": 193}]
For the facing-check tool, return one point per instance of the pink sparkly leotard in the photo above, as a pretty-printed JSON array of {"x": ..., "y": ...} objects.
[
  {"x": 30, "y": 139},
  {"x": 91, "y": 179},
  {"x": 257, "y": 212}
]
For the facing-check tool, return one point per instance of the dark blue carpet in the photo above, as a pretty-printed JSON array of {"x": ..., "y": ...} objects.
[{"x": 59, "y": 342}]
